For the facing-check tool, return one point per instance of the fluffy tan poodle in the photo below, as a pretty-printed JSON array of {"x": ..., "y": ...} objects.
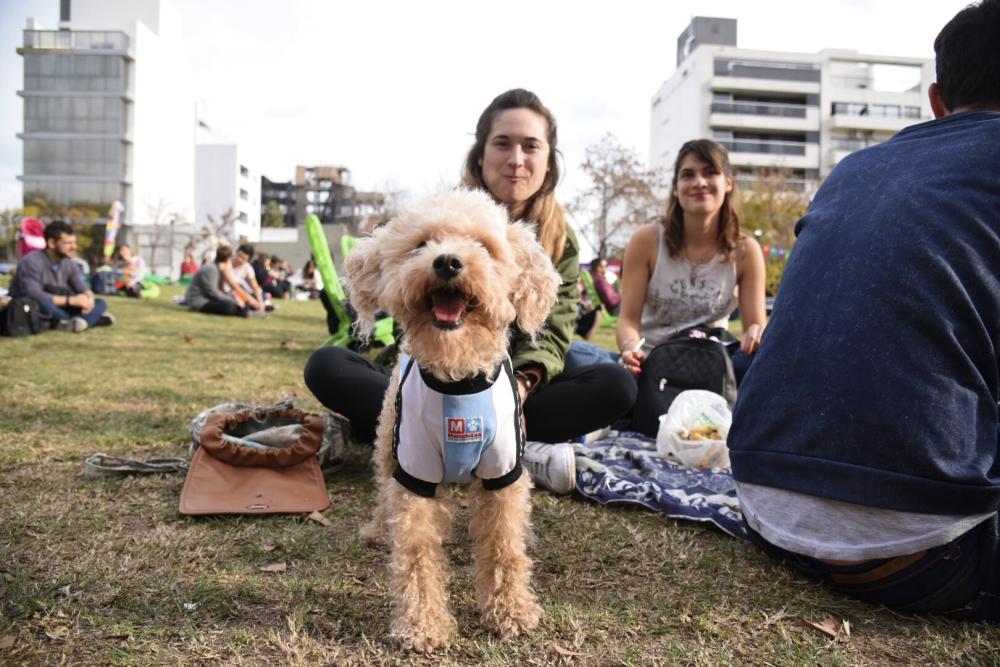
[{"x": 455, "y": 274}]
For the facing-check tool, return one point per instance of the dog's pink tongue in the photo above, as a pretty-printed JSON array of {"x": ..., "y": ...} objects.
[{"x": 447, "y": 307}]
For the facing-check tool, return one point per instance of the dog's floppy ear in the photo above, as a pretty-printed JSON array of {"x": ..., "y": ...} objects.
[
  {"x": 362, "y": 271},
  {"x": 535, "y": 286}
]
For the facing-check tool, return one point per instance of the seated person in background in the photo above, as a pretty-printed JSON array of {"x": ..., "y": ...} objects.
[
  {"x": 687, "y": 268},
  {"x": 308, "y": 280},
  {"x": 588, "y": 315},
  {"x": 609, "y": 297},
  {"x": 188, "y": 266},
  {"x": 130, "y": 270},
  {"x": 205, "y": 293},
  {"x": 278, "y": 285},
  {"x": 245, "y": 277},
  {"x": 52, "y": 278},
  {"x": 864, "y": 440}
]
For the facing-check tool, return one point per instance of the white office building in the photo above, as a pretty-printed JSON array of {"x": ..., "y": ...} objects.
[
  {"x": 797, "y": 111},
  {"x": 108, "y": 112},
  {"x": 227, "y": 186}
]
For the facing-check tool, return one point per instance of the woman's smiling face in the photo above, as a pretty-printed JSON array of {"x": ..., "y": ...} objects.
[{"x": 516, "y": 157}]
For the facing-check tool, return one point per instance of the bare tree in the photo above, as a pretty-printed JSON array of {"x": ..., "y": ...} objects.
[
  {"x": 621, "y": 196},
  {"x": 772, "y": 204}
]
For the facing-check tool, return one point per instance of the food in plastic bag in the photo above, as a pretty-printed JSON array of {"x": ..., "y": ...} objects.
[{"x": 694, "y": 430}]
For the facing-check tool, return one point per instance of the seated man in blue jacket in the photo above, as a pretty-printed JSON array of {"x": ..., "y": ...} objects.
[
  {"x": 865, "y": 438},
  {"x": 52, "y": 278}
]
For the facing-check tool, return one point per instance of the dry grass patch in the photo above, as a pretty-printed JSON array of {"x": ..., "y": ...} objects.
[{"x": 96, "y": 572}]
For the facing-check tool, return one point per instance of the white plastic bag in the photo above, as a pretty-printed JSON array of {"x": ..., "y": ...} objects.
[{"x": 698, "y": 410}]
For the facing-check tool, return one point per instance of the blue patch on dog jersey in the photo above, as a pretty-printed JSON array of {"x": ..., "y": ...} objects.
[{"x": 469, "y": 426}]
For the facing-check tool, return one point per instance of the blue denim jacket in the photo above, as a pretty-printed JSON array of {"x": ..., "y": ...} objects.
[{"x": 877, "y": 378}]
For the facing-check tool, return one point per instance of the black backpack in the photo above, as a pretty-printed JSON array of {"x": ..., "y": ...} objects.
[
  {"x": 695, "y": 358},
  {"x": 103, "y": 282},
  {"x": 21, "y": 317}
]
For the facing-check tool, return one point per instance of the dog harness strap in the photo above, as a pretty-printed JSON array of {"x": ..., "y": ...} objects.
[
  {"x": 411, "y": 483},
  {"x": 407, "y": 364},
  {"x": 508, "y": 479}
]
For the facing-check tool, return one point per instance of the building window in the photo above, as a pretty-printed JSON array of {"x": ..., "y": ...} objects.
[
  {"x": 64, "y": 10},
  {"x": 244, "y": 172},
  {"x": 244, "y": 195}
]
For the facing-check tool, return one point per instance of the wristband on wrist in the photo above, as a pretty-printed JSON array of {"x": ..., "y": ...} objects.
[{"x": 529, "y": 378}]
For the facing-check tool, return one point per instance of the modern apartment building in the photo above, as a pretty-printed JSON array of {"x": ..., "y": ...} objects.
[
  {"x": 796, "y": 111},
  {"x": 107, "y": 110},
  {"x": 227, "y": 184}
]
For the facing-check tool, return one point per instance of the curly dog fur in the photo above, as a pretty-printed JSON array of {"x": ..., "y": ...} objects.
[{"x": 502, "y": 275}]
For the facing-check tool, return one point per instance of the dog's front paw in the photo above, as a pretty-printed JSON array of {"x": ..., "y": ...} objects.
[
  {"x": 511, "y": 617},
  {"x": 375, "y": 532},
  {"x": 423, "y": 635}
]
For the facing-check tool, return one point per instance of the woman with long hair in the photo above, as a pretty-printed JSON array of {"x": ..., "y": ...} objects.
[
  {"x": 692, "y": 266},
  {"x": 514, "y": 158}
]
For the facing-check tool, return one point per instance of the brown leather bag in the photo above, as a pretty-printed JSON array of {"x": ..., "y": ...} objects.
[{"x": 231, "y": 473}]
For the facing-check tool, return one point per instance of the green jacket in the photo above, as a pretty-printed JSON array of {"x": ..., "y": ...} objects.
[{"x": 549, "y": 349}]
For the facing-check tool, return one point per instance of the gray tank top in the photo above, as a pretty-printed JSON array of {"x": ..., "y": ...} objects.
[{"x": 684, "y": 294}]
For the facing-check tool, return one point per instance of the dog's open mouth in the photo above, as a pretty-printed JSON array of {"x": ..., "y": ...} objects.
[{"x": 449, "y": 306}]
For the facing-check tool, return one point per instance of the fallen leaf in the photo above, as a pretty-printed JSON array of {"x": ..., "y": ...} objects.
[
  {"x": 289, "y": 345},
  {"x": 219, "y": 376},
  {"x": 190, "y": 606},
  {"x": 565, "y": 651},
  {"x": 188, "y": 339},
  {"x": 57, "y": 633},
  {"x": 320, "y": 519},
  {"x": 275, "y": 567},
  {"x": 831, "y": 628},
  {"x": 269, "y": 547},
  {"x": 6, "y": 641}
]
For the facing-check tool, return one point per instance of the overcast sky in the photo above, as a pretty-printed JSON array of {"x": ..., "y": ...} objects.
[{"x": 392, "y": 88}]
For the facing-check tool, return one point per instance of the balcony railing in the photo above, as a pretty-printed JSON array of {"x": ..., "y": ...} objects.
[
  {"x": 767, "y": 146},
  {"x": 72, "y": 40},
  {"x": 746, "y": 182},
  {"x": 761, "y": 109},
  {"x": 766, "y": 69},
  {"x": 852, "y": 144}
]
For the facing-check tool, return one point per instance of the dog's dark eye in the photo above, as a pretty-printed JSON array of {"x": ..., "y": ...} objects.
[{"x": 420, "y": 246}]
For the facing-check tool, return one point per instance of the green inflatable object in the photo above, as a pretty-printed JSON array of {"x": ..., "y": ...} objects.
[
  {"x": 343, "y": 336},
  {"x": 150, "y": 289}
]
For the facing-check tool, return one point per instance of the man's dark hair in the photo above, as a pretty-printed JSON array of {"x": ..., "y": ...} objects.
[
  {"x": 57, "y": 229},
  {"x": 246, "y": 249},
  {"x": 223, "y": 253},
  {"x": 968, "y": 58},
  {"x": 596, "y": 262}
]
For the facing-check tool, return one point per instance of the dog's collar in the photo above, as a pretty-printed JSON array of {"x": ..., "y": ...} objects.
[{"x": 465, "y": 386}]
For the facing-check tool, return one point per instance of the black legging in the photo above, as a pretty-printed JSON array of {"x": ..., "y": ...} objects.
[
  {"x": 213, "y": 307},
  {"x": 573, "y": 404}
]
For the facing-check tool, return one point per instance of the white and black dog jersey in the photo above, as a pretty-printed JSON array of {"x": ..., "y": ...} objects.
[{"x": 456, "y": 431}]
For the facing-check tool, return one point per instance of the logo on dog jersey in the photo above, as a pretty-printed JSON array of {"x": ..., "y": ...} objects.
[{"x": 464, "y": 429}]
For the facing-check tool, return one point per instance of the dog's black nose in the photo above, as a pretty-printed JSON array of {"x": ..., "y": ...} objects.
[{"x": 447, "y": 266}]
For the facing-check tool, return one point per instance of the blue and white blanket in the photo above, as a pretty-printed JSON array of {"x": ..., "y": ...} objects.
[{"x": 626, "y": 468}]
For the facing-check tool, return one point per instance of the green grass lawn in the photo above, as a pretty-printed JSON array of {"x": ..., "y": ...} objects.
[{"x": 100, "y": 572}]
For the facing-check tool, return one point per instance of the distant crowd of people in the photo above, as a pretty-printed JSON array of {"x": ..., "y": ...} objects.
[{"x": 245, "y": 283}]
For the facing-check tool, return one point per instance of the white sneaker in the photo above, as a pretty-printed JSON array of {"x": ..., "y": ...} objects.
[
  {"x": 73, "y": 324},
  {"x": 551, "y": 466}
]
